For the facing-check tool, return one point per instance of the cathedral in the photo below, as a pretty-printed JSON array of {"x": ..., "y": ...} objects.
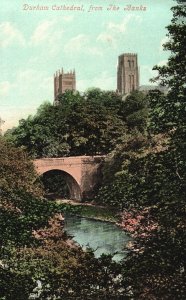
[{"x": 127, "y": 77}]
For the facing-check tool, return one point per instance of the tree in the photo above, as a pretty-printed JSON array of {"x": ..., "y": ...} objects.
[
  {"x": 147, "y": 181},
  {"x": 159, "y": 258},
  {"x": 37, "y": 258},
  {"x": 158, "y": 119},
  {"x": 173, "y": 73},
  {"x": 86, "y": 124},
  {"x": 134, "y": 111},
  {"x": 22, "y": 205}
]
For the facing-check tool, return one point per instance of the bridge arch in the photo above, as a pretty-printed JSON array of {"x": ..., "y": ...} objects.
[
  {"x": 85, "y": 172},
  {"x": 71, "y": 182}
]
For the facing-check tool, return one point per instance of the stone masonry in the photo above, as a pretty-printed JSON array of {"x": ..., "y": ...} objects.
[
  {"x": 82, "y": 173},
  {"x": 128, "y": 73},
  {"x": 62, "y": 82}
]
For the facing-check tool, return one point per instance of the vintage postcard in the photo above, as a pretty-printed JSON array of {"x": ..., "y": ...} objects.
[{"x": 92, "y": 149}]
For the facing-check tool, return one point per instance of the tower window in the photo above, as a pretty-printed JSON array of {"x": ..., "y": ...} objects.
[
  {"x": 132, "y": 82},
  {"x": 129, "y": 62},
  {"x": 129, "y": 83}
]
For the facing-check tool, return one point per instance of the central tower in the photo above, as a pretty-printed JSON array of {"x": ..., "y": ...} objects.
[
  {"x": 63, "y": 82},
  {"x": 128, "y": 74}
]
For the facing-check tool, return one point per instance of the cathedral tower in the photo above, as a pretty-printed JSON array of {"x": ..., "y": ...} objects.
[
  {"x": 128, "y": 74},
  {"x": 63, "y": 82}
]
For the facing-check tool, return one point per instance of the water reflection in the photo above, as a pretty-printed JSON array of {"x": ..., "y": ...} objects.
[{"x": 103, "y": 237}]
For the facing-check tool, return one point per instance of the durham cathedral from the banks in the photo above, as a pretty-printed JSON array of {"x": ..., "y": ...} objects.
[{"x": 127, "y": 78}]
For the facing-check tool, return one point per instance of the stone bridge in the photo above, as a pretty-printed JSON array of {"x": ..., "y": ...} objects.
[{"x": 82, "y": 173}]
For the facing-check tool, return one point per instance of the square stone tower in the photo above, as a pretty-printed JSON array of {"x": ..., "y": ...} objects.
[
  {"x": 63, "y": 82},
  {"x": 128, "y": 74}
]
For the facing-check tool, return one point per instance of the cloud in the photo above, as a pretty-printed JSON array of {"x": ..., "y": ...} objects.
[
  {"x": 47, "y": 34},
  {"x": 42, "y": 33},
  {"x": 113, "y": 30},
  {"x": 5, "y": 87},
  {"x": 46, "y": 81},
  {"x": 68, "y": 18},
  {"x": 162, "y": 42},
  {"x": 28, "y": 79},
  {"x": 26, "y": 85},
  {"x": 146, "y": 73},
  {"x": 81, "y": 43},
  {"x": 31, "y": 88},
  {"x": 162, "y": 62},
  {"x": 10, "y": 35},
  {"x": 76, "y": 43},
  {"x": 103, "y": 81},
  {"x": 106, "y": 38},
  {"x": 123, "y": 26},
  {"x": 94, "y": 51},
  {"x": 11, "y": 115}
]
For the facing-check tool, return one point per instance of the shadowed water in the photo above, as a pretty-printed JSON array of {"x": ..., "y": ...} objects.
[{"x": 103, "y": 237}]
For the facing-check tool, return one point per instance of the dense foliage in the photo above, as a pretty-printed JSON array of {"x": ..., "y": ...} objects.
[
  {"x": 37, "y": 258},
  {"x": 88, "y": 124},
  {"x": 148, "y": 184}
]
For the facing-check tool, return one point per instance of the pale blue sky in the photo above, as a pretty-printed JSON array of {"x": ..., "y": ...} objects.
[{"x": 36, "y": 43}]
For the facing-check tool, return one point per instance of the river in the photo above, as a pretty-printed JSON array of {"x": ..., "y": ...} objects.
[{"x": 103, "y": 237}]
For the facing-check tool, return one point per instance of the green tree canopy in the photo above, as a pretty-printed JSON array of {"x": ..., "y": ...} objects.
[{"x": 88, "y": 124}]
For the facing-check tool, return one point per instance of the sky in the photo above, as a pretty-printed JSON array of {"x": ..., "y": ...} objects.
[{"x": 38, "y": 37}]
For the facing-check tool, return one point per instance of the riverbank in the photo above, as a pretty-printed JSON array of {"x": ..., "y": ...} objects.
[{"x": 92, "y": 211}]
